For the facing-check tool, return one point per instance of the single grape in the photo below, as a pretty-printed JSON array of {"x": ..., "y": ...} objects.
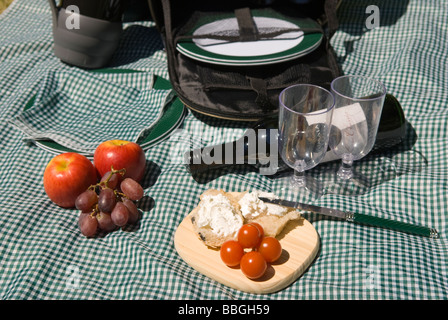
[
  {"x": 113, "y": 181},
  {"x": 106, "y": 200},
  {"x": 120, "y": 214},
  {"x": 86, "y": 200},
  {"x": 134, "y": 214},
  {"x": 81, "y": 217},
  {"x": 105, "y": 222},
  {"x": 88, "y": 225},
  {"x": 132, "y": 189}
]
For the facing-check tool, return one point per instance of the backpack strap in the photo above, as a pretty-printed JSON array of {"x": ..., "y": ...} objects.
[
  {"x": 166, "y": 8},
  {"x": 246, "y": 25},
  {"x": 330, "y": 9}
]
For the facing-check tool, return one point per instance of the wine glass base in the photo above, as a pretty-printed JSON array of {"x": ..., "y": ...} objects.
[
  {"x": 345, "y": 174},
  {"x": 356, "y": 184},
  {"x": 310, "y": 190}
]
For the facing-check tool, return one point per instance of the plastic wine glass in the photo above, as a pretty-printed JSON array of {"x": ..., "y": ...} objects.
[
  {"x": 358, "y": 105},
  {"x": 305, "y": 113}
]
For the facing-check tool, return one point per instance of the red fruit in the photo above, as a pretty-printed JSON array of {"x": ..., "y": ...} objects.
[
  {"x": 66, "y": 176},
  {"x": 120, "y": 154},
  {"x": 253, "y": 265},
  {"x": 249, "y": 236},
  {"x": 270, "y": 248},
  {"x": 132, "y": 189},
  {"x": 259, "y": 227},
  {"x": 231, "y": 253}
]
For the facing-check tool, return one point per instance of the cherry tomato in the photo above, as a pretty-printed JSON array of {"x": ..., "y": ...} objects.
[
  {"x": 253, "y": 265},
  {"x": 231, "y": 253},
  {"x": 249, "y": 236},
  {"x": 270, "y": 248},
  {"x": 260, "y": 229}
]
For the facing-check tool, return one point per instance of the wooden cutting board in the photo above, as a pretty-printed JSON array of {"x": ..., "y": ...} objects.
[{"x": 299, "y": 240}]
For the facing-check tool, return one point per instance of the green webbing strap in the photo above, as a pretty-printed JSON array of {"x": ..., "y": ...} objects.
[
  {"x": 330, "y": 8},
  {"x": 246, "y": 25}
]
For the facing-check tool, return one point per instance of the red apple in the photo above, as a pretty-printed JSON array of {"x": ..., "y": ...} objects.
[
  {"x": 66, "y": 176},
  {"x": 120, "y": 154}
]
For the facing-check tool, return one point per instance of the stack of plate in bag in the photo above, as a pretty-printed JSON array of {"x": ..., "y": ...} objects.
[{"x": 281, "y": 39}]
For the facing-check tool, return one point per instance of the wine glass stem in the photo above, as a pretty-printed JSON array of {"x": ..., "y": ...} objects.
[
  {"x": 346, "y": 170},
  {"x": 298, "y": 179}
]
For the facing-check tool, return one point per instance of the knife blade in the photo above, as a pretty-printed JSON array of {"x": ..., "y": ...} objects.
[{"x": 358, "y": 218}]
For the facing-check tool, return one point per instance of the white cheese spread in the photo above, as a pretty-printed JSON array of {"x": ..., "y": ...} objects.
[
  {"x": 252, "y": 206},
  {"x": 218, "y": 213}
]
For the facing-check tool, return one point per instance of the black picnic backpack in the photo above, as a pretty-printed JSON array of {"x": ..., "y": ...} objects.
[{"x": 247, "y": 91}]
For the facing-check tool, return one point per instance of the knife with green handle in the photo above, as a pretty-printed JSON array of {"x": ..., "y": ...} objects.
[{"x": 358, "y": 218}]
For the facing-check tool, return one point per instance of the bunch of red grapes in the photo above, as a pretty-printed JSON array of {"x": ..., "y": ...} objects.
[{"x": 109, "y": 204}]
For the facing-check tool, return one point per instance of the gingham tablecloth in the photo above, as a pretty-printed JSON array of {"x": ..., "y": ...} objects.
[
  {"x": 80, "y": 109},
  {"x": 44, "y": 256}
]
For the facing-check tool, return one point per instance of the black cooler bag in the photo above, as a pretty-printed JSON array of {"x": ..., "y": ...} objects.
[{"x": 246, "y": 91}]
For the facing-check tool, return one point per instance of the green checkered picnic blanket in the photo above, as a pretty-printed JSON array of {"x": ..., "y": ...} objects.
[
  {"x": 44, "y": 256},
  {"x": 79, "y": 109}
]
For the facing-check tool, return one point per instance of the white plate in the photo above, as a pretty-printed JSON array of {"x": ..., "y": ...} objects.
[
  {"x": 275, "y": 45},
  {"x": 247, "y": 62},
  {"x": 283, "y": 47}
]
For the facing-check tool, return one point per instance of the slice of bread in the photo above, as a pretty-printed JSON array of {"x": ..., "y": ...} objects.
[
  {"x": 216, "y": 219},
  {"x": 220, "y": 215},
  {"x": 274, "y": 224},
  {"x": 273, "y": 218}
]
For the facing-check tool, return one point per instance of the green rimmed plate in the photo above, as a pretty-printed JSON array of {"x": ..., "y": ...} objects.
[
  {"x": 171, "y": 117},
  {"x": 281, "y": 48}
]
